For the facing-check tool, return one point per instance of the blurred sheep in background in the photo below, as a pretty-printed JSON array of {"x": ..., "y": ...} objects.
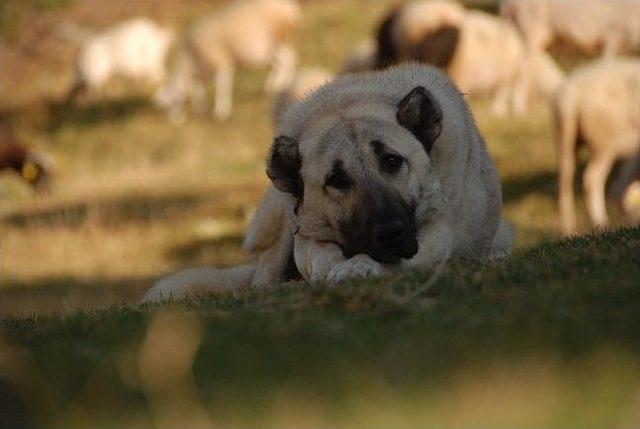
[
  {"x": 33, "y": 168},
  {"x": 304, "y": 81},
  {"x": 135, "y": 49},
  {"x": 598, "y": 104},
  {"x": 362, "y": 57},
  {"x": 482, "y": 54},
  {"x": 250, "y": 33},
  {"x": 592, "y": 26}
]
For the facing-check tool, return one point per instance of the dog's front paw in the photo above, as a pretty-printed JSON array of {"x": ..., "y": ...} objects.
[{"x": 359, "y": 266}]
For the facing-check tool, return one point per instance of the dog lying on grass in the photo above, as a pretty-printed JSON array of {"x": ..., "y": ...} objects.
[{"x": 371, "y": 173}]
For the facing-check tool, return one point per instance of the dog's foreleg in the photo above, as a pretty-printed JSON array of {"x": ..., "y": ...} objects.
[
  {"x": 198, "y": 96},
  {"x": 324, "y": 261}
]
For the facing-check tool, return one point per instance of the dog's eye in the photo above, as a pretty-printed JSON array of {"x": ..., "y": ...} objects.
[
  {"x": 391, "y": 163},
  {"x": 338, "y": 179}
]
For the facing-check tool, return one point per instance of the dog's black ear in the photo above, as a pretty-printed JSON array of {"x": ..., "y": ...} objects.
[
  {"x": 283, "y": 166},
  {"x": 421, "y": 114}
]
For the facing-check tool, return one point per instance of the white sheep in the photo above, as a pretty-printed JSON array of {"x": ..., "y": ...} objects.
[
  {"x": 598, "y": 104},
  {"x": 250, "y": 33},
  {"x": 609, "y": 26},
  {"x": 134, "y": 49}
]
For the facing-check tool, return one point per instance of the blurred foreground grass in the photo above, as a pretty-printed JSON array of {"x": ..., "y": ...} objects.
[{"x": 546, "y": 339}]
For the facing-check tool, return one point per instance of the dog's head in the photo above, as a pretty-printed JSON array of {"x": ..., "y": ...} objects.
[{"x": 359, "y": 180}]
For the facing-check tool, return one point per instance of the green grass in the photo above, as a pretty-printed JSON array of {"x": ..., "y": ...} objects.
[{"x": 548, "y": 333}]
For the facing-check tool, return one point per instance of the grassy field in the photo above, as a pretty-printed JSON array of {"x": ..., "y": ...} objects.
[
  {"x": 548, "y": 338},
  {"x": 136, "y": 197}
]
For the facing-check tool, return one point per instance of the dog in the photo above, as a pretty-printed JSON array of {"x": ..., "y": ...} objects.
[{"x": 371, "y": 173}]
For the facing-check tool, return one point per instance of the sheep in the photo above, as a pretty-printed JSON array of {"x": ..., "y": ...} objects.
[
  {"x": 609, "y": 26},
  {"x": 305, "y": 81},
  {"x": 250, "y": 33},
  {"x": 598, "y": 104},
  {"x": 481, "y": 53},
  {"x": 135, "y": 49}
]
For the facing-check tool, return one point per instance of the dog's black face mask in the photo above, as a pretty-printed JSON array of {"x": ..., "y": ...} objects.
[{"x": 383, "y": 227}]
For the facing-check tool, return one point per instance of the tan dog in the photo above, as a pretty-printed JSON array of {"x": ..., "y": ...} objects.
[{"x": 372, "y": 172}]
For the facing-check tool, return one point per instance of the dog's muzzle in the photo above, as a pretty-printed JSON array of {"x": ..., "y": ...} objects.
[
  {"x": 387, "y": 242},
  {"x": 393, "y": 240}
]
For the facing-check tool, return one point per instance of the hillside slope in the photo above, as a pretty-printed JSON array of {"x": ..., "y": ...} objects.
[{"x": 546, "y": 338}]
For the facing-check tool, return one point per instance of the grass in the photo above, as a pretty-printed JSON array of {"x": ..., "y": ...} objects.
[
  {"x": 547, "y": 338},
  {"x": 531, "y": 341}
]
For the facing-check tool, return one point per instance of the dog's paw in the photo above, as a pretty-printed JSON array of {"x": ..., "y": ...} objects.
[{"x": 359, "y": 266}]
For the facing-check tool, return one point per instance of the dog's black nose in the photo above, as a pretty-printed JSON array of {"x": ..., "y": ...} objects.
[{"x": 388, "y": 232}]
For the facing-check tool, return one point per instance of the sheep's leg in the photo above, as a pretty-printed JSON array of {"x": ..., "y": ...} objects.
[
  {"x": 520, "y": 89},
  {"x": 281, "y": 73},
  {"x": 224, "y": 90},
  {"x": 198, "y": 96},
  {"x": 595, "y": 177},
  {"x": 500, "y": 104}
]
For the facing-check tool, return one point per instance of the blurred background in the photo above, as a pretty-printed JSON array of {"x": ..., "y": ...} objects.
[
  {"x": 134, "y": 193},
  {"x": 134, "y": 135}
]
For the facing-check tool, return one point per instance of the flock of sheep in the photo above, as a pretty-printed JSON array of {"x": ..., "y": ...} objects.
[{"x": 502, "y": 56}]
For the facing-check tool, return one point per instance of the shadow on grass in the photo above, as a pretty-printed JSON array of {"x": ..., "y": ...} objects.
[
  {"x": 92, "y": 113},
  {"x": 137, "y": 207},
  {"x": 131, "y": 208},
  {"x": 51, "y": 114},
  {"x": 205, "y": 250},
  {"x": 68, "y": 294},
  {"x": 514, "y": 189},
  {"x": 546, "y": 182}
]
